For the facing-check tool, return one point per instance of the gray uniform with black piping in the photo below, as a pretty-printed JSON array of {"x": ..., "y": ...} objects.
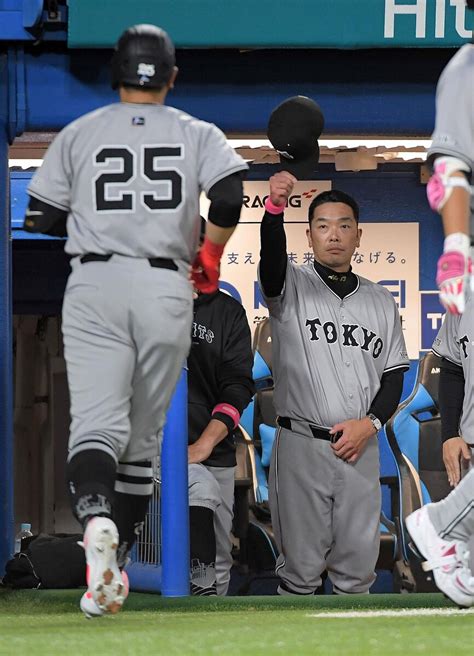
[
  {"x": 454, "y": 136},
  {"x": 329, "y": 355},
  {"x": 130, "y": 176},
  {"x": 454, "y": 516}
]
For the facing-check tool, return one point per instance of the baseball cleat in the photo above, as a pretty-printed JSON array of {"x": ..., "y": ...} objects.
[
  {"x": 105, "y": 585},
  {"x": 447, "y": 560},
  {"x": 89, "y": 606}
]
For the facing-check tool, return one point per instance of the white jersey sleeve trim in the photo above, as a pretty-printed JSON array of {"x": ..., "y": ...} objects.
[
  {"x": 274, "y": 298},
  {"x": 35, "y": 194},
  {"x": 451, "y": 152},
  {"x": 403, "y": 366},
  {"x": 224, "y": 174}
]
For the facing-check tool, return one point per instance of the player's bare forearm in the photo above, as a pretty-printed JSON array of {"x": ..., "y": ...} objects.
[
  {"x": 214, "y": 433},
  {"x": 456, "y": 211},
  {"x": 218, "y": 235}
]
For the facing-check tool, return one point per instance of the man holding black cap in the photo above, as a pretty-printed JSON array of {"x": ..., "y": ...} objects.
[
  {"x": 127, "y": 179},
  {"x": 338, "y": 361}
]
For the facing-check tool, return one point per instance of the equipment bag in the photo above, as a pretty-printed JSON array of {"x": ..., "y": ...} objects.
[{"x": 47, "y": 561}]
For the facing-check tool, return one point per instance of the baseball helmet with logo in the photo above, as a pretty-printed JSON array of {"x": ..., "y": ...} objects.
[{"x": 144, "y": 58}]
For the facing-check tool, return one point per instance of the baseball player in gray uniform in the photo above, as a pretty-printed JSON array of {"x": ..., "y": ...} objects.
[
  {"x": 442, "y": 531},
  {"x": 338, "y": 362},
  {"x": 126, "y": 180}
]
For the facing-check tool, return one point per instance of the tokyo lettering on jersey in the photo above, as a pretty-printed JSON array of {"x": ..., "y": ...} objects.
[
  {"x": 130, "y": 176},
  {"x": 329, "y": 354}
]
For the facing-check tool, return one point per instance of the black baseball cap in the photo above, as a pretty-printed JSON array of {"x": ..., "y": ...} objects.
[{"x": 293, "y": 130}]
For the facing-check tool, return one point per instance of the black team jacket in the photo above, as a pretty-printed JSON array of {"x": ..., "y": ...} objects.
[{"x": 219, "y": 369}]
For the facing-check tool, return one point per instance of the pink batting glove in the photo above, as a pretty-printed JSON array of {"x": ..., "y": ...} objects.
[{"x": 452, "y": 278}]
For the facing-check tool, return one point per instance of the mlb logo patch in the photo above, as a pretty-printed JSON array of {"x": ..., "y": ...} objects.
[{"x": 138, "y": 120}]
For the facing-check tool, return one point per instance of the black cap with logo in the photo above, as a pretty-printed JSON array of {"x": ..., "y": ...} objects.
[
  {"x": 293, "y": 130},
  {"x": 144, "y": 58}
]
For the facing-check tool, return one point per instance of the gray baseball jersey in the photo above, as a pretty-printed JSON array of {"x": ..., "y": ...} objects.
[
  {"x": 130, "y": 176},
  {"x": 454, "y": 129},
  {"x": 454, "y": 135},
  {"x": 455, "y": 342},
  {"x": 330, "y": 354}
]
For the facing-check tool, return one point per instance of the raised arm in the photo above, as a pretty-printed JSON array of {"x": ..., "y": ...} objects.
[{"x": 273, "y": 255}]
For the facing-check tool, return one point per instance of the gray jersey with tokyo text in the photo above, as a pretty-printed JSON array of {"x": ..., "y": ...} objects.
[
  {"x": 130, "y": 176},
  {"x": 455, "y": 342},
  {"x": 454, "y": 129},
  {"x": 329, "y": 354}
]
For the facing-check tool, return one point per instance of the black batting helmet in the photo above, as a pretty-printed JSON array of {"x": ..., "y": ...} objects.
[
  {"x": 293, "y": 130},
  {"x": 470, "y": 4},
  {"x": 144, "y": 57}
]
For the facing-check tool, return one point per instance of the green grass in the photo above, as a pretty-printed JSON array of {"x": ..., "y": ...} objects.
[{"x": 49, "y": 622}]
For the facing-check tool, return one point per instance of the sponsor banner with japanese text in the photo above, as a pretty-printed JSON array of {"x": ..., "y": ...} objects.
[{"x": 388, "y": 254}]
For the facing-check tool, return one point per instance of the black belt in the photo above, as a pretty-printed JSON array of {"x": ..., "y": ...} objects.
[
  {"x": 155, "y": 262},
  {"x": 318, "y": 432}
]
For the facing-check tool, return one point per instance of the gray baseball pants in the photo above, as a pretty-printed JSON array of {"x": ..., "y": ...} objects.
[
  {"x": 126, "y": 328},
  {"x": 213, "y": 487},
  {"x": 325, "y": 513},
  {"x": 453, "y": 517}
]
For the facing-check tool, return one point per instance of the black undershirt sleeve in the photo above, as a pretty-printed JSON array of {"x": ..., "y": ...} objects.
[
  {"x": 388, "y": 397},
  {"x": 45, "y": 218},
  {"x": 273, "y": 255},
  {"x": 450, "y": 398},
  {"x": 226, "y": 198}
]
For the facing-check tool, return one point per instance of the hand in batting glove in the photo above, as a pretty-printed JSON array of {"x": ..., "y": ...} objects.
[
  {"x": 206, "y": 267},
  {"x": 454, "y": 272}
]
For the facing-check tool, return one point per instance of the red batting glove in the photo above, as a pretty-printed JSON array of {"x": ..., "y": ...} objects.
[{"x": 206, "y": 267}]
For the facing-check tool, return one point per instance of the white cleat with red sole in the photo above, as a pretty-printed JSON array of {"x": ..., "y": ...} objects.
[
  {"x": 105, "y": 586},
  {"x": 447, "y": 559},
  {"x": 91, "y": 609}
]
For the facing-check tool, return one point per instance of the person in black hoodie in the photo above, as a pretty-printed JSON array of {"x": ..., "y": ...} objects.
[{"x": 220, "y": 386}]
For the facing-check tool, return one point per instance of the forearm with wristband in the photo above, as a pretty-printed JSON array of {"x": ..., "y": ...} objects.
[
  {"x": 226, "y": 413},
  {"x": 273, "y": 256}
]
